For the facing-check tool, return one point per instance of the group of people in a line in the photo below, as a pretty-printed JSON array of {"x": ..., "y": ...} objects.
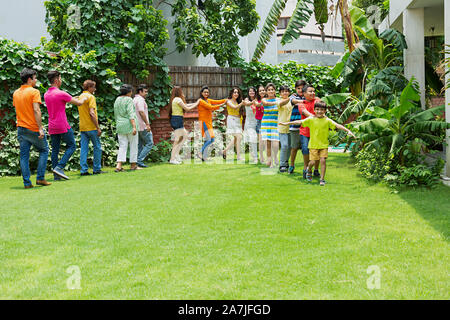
[
  {"x": 132, "y": 124},
  {"x": 294, "y": 122}
]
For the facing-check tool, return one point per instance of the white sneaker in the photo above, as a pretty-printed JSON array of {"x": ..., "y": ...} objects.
[{"x": 175, "y": 162}]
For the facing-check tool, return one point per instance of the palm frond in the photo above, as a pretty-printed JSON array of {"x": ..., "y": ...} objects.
[
  {"x": 269, "y": 27},
  {"x": 300, "y": 18}
]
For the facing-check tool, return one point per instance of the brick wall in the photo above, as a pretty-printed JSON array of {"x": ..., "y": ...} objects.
[{"x": 437, "y": 101}]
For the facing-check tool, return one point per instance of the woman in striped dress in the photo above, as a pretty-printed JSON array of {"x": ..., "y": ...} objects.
[{"x": 269, "y": 124}]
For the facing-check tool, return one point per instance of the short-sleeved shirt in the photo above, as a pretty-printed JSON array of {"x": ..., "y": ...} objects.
[
  {"x": 124, "y": 111},
  {"x": 23, "y": 99},
  {"x": 86, "y": 123},
  {"x": 284, "y": 115},
  {"x": 141, "y": 105},
  {"x": 320, "y": 128},
  {"x": 309, "y": 106},
  {"x": 295, "y": 114},
  {"x": 56, "y": 100},
  {"x": 177, "y": 109}
]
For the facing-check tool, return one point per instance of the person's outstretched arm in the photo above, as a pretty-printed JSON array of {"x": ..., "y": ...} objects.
[
  {"x": 341, "y": 127},
  {"x": 78, "y": 102},
  {"x": 283, "y": 102},
  {"x": 214, "y": 102},
  {"x": 292, "y": 122},
  {"x": 191, "y": 106}
]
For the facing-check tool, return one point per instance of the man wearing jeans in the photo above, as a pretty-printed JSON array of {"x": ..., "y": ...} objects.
[
  {"x": 145, "y": 131},
  {"x": 30, "y": 132},
  {"x": 90, "y": 129},
  {"x": 58, "y": 127}
]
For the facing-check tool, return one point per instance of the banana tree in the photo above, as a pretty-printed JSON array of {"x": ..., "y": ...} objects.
[
  {"x": 380, "y": 92},
  {"x": 299, "y": 19},
  {"x": 403, "y": 128},
  {"x": 373, "y": 54}
]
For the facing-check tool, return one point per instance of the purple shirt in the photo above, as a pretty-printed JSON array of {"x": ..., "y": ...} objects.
[{"x": 56, "y": 100}]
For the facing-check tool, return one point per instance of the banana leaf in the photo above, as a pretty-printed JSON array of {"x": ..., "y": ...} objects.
[
  {"x": 300, "y": 18},
  {"x": 336, "y": 98},
  {"x": 269, "y": 27},
  {"x": 395, "y": 38}
]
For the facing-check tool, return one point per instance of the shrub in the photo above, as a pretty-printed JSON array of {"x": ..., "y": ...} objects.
[
  {"x": 161, "y": 152},
  {"x": 256, "y": 73},
  {"x": 373, "y": 164},
  {"x": 376, "y": 165}
]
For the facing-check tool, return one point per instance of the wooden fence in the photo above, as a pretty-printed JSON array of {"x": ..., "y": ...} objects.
[{"x": 191, "y": 79}]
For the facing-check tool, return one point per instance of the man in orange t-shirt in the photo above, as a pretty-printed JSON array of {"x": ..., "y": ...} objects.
[{"x": 30, "y": 132}]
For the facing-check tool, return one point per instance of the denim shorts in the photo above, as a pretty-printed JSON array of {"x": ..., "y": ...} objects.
[
  {"x": 258, "y": 126},
  {"x": 177, "y": 122},
  {"x": 304, "y": 142}
]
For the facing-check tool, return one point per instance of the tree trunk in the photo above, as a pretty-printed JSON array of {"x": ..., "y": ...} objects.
[{"x": 350, "y": 35}]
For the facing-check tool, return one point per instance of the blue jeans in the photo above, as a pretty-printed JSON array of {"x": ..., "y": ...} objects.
[
  {"x": 69, "y": 139},
  {"x": 285, "y": 151},
  {"x": 207, "y": 143},
  {"x": 145, "y": 145},
  {"x": 87, "y": 136},
  {"x": 304, "y": 142},
  {"x": 28, "y": 138}
]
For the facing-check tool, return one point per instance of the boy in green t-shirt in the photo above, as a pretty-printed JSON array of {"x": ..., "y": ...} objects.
[{"x": 319, "y": 126}]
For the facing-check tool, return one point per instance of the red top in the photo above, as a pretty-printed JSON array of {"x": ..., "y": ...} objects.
[
  {"x": 309, "y": 106},
  {"x": 259, "y": 112}
]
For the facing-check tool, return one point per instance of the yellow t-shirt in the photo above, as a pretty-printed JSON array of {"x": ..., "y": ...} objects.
[
  {"x": 233, "y": 111},
  {"x": 284, "y": 115},
  {"x": 177, "y": 109},
  {"x": 86, "y": 123}
]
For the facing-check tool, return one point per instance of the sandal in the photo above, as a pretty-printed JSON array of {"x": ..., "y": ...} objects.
[
  {"x": 118, "y": 170},
  {"x": 322, "y": 182}
]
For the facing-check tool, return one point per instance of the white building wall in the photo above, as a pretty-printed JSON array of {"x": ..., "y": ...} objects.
[{"x": 23, "y": 21}]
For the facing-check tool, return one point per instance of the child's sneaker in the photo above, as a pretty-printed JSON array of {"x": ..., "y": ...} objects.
[
  {"x": 322, "y": 182},
  {"x": 283, "y": 169},
  {"x": 309, "y": 176},
  {"x": 304, "y": 173},
  {"x": 291, "y": 169},
  {"x": 316, "y": 173}
]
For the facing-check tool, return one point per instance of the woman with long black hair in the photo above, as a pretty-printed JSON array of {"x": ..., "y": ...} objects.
[
  {"x": 205, "y": 108},
  {"x": 234, "y": 127}
]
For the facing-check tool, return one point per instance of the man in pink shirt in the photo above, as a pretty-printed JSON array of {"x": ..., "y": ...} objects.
[{"x": 58, "y": 127}]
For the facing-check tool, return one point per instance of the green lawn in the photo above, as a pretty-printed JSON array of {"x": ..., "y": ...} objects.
[{"x": 222, "y": 232}]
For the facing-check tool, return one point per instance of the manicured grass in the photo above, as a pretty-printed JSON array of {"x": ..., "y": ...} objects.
[{"x": 222, "y": 232}]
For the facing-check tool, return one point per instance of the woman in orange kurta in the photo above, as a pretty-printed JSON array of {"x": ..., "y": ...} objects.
[{"x": 205, "y": 108}]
